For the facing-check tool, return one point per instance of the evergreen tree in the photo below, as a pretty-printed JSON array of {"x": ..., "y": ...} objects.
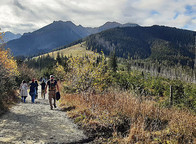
[
  {"x": 113, "y": 61},
  {"x": 59, "y": 59}
]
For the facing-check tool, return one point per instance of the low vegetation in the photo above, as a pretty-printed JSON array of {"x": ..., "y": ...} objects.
[{"x": 120, "y": 117}]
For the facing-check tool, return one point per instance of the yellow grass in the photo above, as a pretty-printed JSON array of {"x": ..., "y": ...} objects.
[
  {"x": 76, "y": 50},
  {"x": 108, "y": 109}
]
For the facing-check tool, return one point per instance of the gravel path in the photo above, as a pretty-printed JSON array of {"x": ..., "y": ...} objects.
[{"x": 35, "y": 123}]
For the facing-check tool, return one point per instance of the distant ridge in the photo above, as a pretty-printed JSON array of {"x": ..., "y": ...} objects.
[
  {"x": 56, "y": 34},
  {"x": 109, "y": 25},
  {"x": 10, "y": 36},
  {"x": 43, "y": 40},
  {"x": 160, "y": 43}
]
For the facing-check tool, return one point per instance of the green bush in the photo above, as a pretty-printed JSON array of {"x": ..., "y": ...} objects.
[{"x": 184, "y": 94}]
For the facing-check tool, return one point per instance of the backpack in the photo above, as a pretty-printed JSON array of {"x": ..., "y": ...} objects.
[{"x": 58, "y": 96}]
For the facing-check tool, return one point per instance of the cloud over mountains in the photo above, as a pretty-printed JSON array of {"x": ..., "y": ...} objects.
[{"x": 21, "y": 16}]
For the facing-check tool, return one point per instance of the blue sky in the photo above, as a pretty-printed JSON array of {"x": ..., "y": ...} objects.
[{"x": 21, "y": 16}]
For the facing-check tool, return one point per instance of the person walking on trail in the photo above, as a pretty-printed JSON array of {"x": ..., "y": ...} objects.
[
  {"x": 36, "y": 95},
  {"x": 32, "y": 91},
  {"x": 43, "y": 85},
  {"x": 23, "y": 90},
  {"x": 53, "y": 87}
]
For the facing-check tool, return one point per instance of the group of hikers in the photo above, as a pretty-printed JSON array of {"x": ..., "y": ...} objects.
[{"x": 51, "y": 84}]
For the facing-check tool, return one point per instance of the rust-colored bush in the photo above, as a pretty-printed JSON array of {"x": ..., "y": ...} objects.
[{"x": 148, "y": 122}]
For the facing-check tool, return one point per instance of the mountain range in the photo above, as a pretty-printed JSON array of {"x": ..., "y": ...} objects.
[
  {"x": 55, "y": 35},
  {"x": 160, "y": 43},
  {"x": 109, "y": 25}
]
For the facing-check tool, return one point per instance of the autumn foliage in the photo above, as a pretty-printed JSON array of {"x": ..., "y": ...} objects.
[
  {"x": 87, "y": 74},
  {"x": 8, "y": 73},
  {"x": 8, "y": 62}
]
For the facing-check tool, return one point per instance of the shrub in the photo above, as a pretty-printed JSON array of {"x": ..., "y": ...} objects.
[
  {"x": 86, "y": 74},
  {"x": 26, "y": 74}
]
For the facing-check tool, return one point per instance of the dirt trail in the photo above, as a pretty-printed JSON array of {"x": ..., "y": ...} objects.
[{"x": 35, "y": 123}]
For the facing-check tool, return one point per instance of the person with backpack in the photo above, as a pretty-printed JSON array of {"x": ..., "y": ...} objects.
[
  {"x": 23, "y": 90},
  {"x": 43, "y": 86},
  {"x": 32, "y": 91},
  {"x": 52, "y": 88}
]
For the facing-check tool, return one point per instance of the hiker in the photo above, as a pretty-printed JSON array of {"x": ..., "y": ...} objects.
[
  {"x": 53, "y": 87},
  {"x": 44, "y": 79},
  {"x": 43, "y": 85},
  {"x": 41, "y": 79},
  {"x": 36, "y": 94},
  {"x": 32, "y": 91},
  {"x": 23, "y": 90}
]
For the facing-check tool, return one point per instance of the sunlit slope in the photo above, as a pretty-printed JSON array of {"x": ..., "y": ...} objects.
[{"x": 76, "y": 50}]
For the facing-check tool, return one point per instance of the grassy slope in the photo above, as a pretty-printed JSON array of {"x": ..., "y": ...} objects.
[{"x": 76, "y": 50}]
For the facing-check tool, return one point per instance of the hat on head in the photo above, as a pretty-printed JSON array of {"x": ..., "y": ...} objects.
[{"x": 51, "y": 76}]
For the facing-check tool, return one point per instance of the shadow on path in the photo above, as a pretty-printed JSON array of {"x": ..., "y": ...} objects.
[
  {"x": 82, "y": 141},
  {"x": 67, "y": 108}
]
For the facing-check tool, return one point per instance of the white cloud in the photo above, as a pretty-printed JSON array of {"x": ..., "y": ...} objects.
[
  {"x": 166, "y": 10},
  {"x": 28, "y": 15}
]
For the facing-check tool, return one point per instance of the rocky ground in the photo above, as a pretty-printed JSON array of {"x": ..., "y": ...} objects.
[{"x": 35, "y": 123}]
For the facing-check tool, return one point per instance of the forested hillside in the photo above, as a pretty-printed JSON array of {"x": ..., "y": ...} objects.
[{"x": 153, "y": 43}]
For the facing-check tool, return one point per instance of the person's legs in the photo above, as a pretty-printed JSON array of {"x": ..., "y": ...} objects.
[
  {"x": 25, "y": 98},
  {"x": 44, "y": 94},
  {"x": 41, "y": 93},
  {"x": 50, "y": 96},
  {"x": 54, "y": 97},
  {"x": 33, "y": 97},
  {"x": 36, "y": 95}
]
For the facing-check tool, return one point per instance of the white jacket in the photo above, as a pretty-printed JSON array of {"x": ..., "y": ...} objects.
[{"x": 23, "y": 89}]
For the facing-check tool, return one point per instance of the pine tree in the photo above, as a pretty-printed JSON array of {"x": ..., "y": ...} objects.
[
  {"x": 59, "y": 59},
  {"x": 113, "y": 61}
]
